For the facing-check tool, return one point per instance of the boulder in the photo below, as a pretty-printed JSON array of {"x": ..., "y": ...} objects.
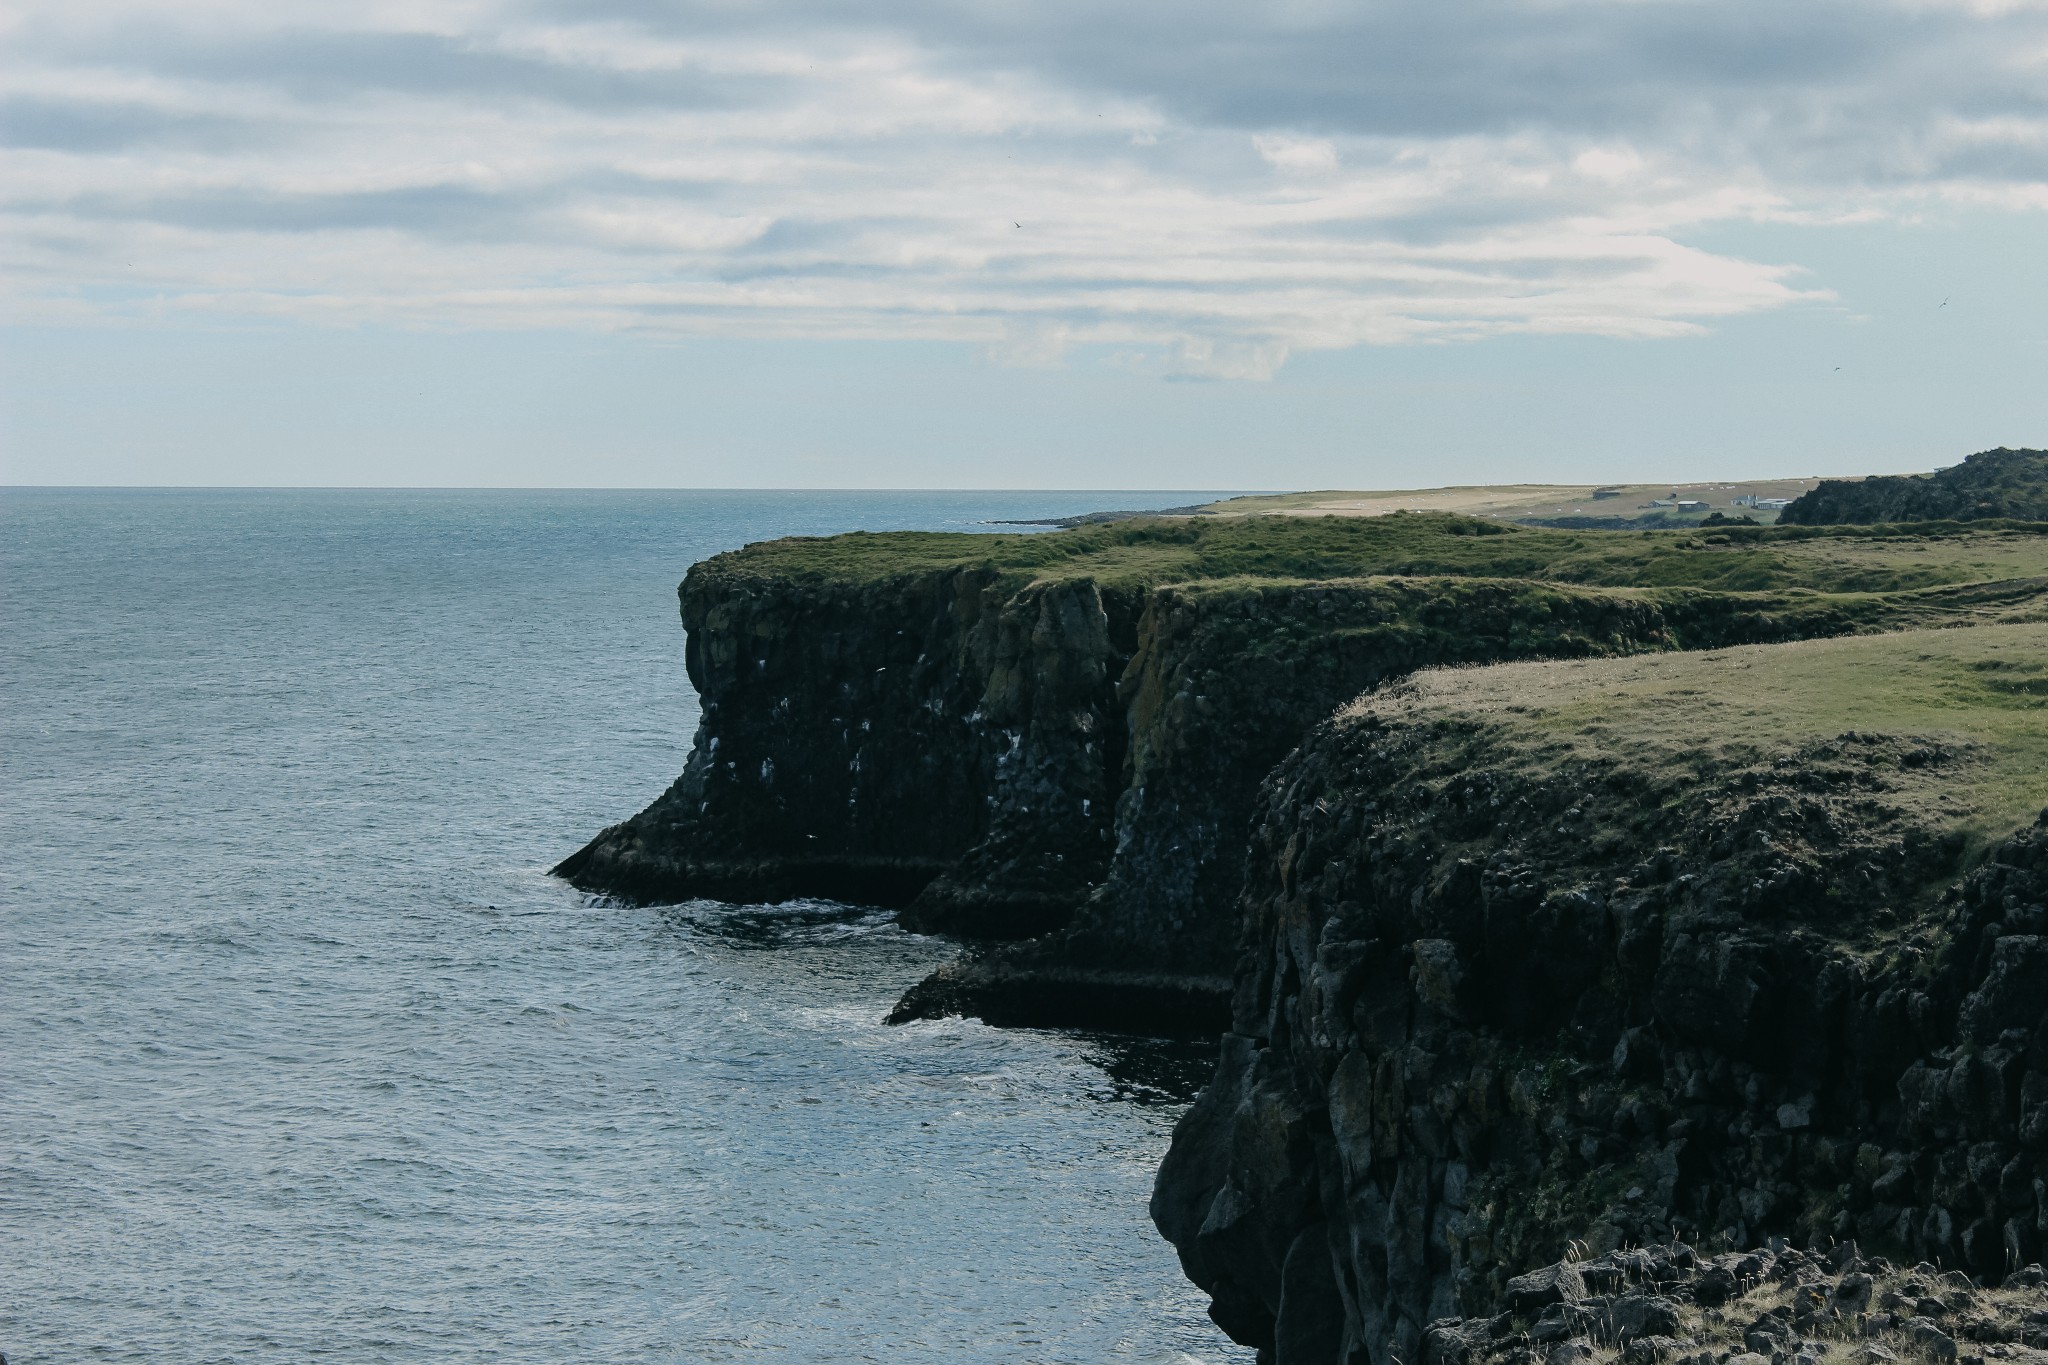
[
  {"x": 1852, "y": 1293},
  {"x": 1930, "y": 1340},
  {"x": 1537, "y": 1290},
  {"x": 1650, "y": 1350},
  {"x": 1642, "y": 1315}
]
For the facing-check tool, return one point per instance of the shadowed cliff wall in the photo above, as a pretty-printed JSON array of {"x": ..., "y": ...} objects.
[
  {"x": 1490, "y": 1001},
  {"x": 1226, "y": 680},
  {"x": 931, "y": 740}
]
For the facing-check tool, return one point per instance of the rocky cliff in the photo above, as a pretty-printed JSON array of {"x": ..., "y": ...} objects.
[
  {"x": 1060, "y": 738},
  {"x": 1549, "y": 960},
  {"x": 942, "y": 740},
  {"x": 1224, "y": 681},
  {"x": 1672, "y": 935}
]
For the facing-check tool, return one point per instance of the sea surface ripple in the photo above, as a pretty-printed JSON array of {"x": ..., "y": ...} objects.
[{"x": 304, "y": 1057}]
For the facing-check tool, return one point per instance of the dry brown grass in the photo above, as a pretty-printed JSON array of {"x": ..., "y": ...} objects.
[{"x": 1516, "y": 501}]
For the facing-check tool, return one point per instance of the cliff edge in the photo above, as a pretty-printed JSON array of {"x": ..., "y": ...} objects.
[{"x": 1559, "y": 959}]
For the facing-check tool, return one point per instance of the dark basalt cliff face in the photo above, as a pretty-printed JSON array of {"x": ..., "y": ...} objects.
[
  {"x": 1991, "y": 483},
  {"x": 1004, "y": 763},
  {"x": 1224, "y": 682},
  {"x": 928, "y": 740},
  {"x": 1494, "y": 1010}
]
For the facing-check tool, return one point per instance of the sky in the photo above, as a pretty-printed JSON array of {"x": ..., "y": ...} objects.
[{"x": 904, "y": 243}]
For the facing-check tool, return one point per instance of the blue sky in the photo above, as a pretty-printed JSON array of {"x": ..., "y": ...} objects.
[{"x": 1396, "y": 243}]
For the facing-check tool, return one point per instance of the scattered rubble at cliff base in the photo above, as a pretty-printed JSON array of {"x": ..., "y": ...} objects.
[{"x": 1677, "y": 1304}]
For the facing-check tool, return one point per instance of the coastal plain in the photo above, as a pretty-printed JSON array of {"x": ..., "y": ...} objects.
[{"x": 1594, "y": 505}]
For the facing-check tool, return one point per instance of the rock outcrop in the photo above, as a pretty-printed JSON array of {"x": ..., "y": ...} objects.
[
  {"x": 1513, "y": 988},
  {"x": 1991, "y": 483}
]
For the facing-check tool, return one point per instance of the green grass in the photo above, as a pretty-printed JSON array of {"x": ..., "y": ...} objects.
[
  {"x": 1980, "y": 693},
  {"x": 1178, "y": 550}
]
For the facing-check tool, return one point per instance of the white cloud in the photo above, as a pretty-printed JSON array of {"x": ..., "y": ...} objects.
[
  {"x": 1307, "y": 155},
  {"x": 1194, "y": 186}
]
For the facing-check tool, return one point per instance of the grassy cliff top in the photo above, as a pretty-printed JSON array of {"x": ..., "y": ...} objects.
[
  {"x": 1175, "y": 550},
  {"x": 1956, "y": 719}
]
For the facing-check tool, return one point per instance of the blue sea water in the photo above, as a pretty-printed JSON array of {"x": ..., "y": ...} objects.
[{"x": 304, "y": 1057}]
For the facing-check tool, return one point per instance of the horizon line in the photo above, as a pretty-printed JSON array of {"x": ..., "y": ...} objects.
[
  {"x": 594, "y": 488},
  {"x": 873, "y": 488}
]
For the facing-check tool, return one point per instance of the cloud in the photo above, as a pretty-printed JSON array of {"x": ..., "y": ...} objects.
[
  {"x": 1211, "y": 186},
  {"x": 1307, "y": 155}
]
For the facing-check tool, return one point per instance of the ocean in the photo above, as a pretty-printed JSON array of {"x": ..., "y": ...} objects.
[{"x": 303, "y": 1056}]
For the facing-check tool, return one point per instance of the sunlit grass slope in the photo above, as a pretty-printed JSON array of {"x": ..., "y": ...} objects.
[{"x": 1968, "y": 706}]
